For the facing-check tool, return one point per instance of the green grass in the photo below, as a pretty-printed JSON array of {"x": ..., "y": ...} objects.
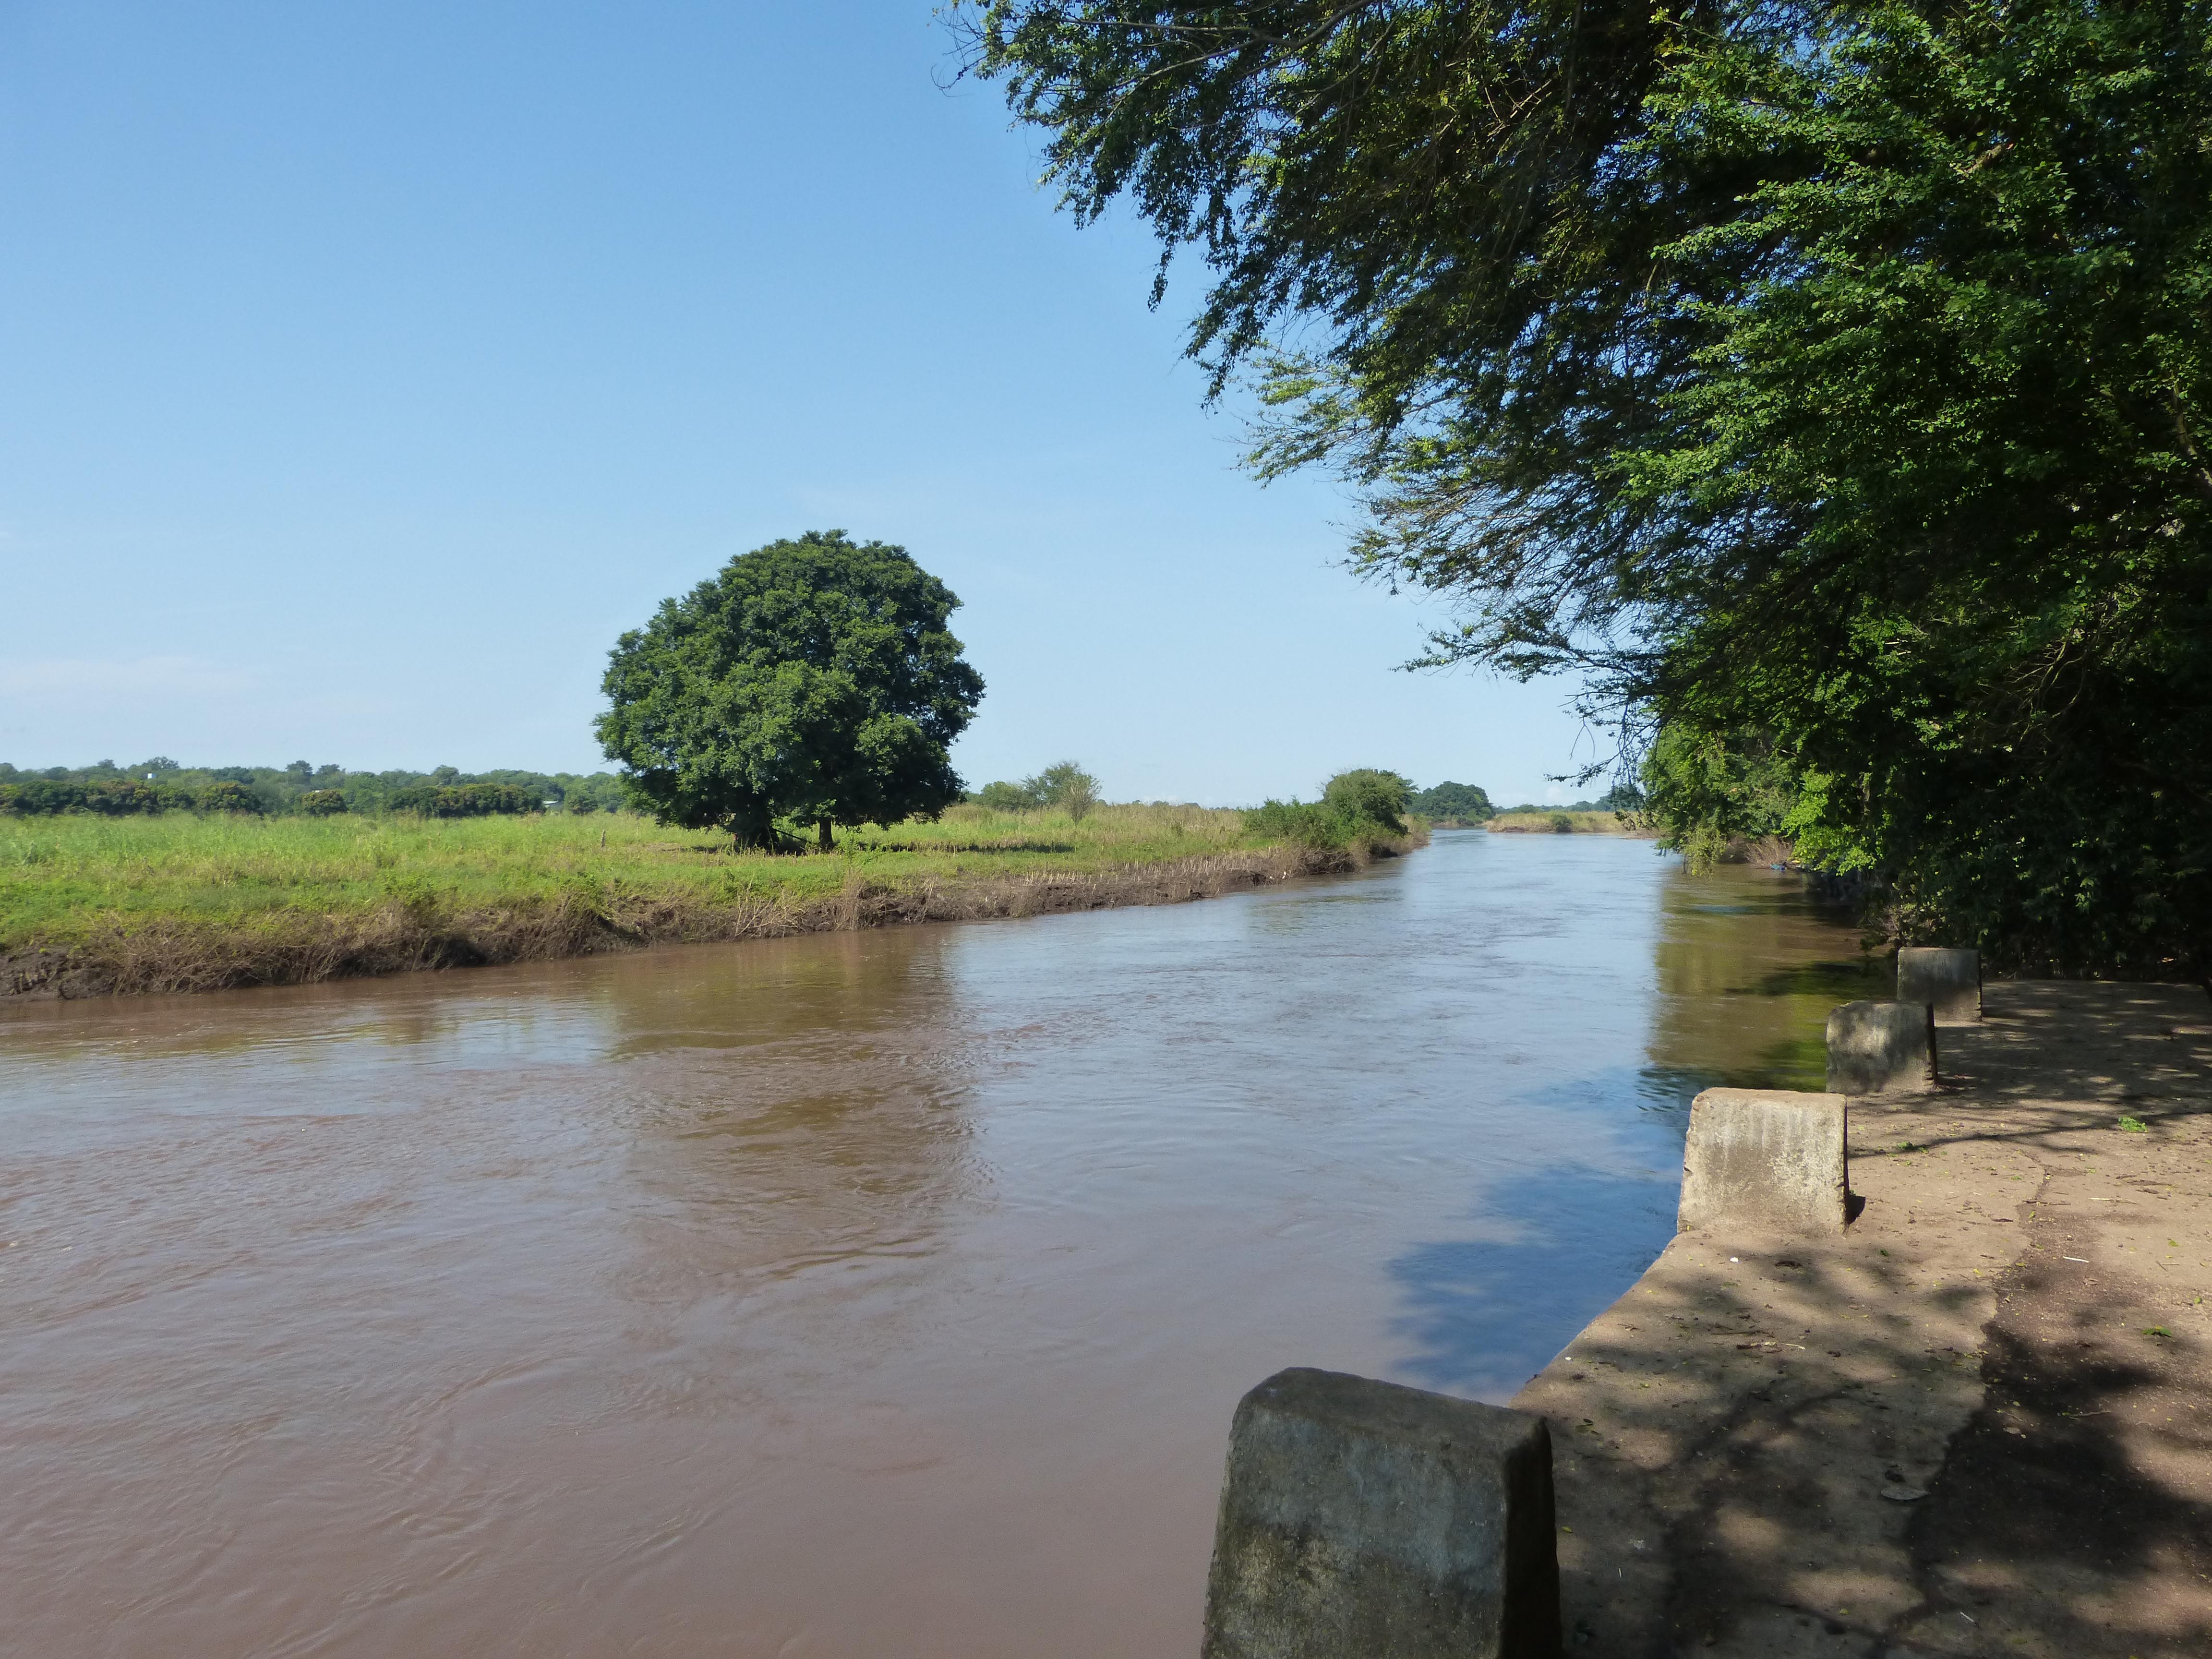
[{"x": 66, "y": 879}]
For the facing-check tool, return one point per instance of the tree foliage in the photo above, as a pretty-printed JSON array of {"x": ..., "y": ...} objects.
[
  {"x": 226, "y": 795},
  {"x": 1364, "y": 808},
  {"x": 1825, "y": 381},
  {"x": 811, "y": 681},
  {"x": 460, "y": 800},
  {"x": 1064, "y": 785},
  {"x": 1467, "y": 803}
]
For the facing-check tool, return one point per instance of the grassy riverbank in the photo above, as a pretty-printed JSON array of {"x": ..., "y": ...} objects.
[
  {"x": 92, "y": 905},
  {"x": 1564, "y": 821}
]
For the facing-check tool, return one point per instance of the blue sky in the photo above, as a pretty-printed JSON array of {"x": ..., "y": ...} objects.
[{"x": 366, "y": 368}]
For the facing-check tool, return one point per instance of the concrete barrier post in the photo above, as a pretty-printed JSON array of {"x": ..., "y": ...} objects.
[
  {"x": 1768, "y": 1160},
  {"x": 1882, "y": 1047},
  {"x": 1360, "y": 1518},
  {"x": 1949, "y": 981}
]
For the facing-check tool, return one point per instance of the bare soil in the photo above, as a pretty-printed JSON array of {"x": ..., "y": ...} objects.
[{"x": 1977, "y": 1421}]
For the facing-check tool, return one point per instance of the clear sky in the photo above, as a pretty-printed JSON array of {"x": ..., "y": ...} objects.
[{"x": 365, "y": 368}]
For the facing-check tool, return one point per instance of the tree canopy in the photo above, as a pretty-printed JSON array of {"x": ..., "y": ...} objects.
[
  {"x": 1361, "y": 808},
  {"x": 1825, "y": 383},
  {"x": 811, "y": 681},
  {"x": 1064, "y": 785},
  {"x": 1468, "y": 802}
]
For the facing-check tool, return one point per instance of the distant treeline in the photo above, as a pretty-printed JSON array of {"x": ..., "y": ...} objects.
[
  {"x": 160, "y": 785},
  {"x": 1071, "y": 788},
  {"x": 1622, "y": 797},
  {"x": 1453, "y": 803}
]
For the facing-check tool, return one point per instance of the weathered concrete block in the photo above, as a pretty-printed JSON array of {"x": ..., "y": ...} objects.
[
  {"x": 1766, "y": 1159},
  {"x": 1949, "y": 981},
  {"x": 1362, "y": 1519},
  {"x": 1882, "y": 1047}
]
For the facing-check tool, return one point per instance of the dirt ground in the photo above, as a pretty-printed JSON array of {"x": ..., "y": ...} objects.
[{"x": 1979, "y": 1421}]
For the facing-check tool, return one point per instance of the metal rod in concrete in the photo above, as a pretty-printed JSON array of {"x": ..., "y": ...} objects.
[{"x": 1948, "y": 980}]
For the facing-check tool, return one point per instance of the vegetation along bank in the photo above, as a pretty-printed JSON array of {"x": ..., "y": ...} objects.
[
  {"x": 1571, "y": 821},
  {"x": 93, "y": 904}
]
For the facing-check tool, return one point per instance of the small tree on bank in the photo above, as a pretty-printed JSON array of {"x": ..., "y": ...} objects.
[
  {"x": 1363, "y": 807},
  {"x": 1064, "y": 785},
  {"x": 812, "y": 680}
]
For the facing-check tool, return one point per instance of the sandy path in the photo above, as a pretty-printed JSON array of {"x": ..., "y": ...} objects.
[{"x": 1979, "y": 1422}]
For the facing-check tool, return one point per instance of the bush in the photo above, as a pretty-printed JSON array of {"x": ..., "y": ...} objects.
[
  {"x": 580, "y": 805},
  {"x": 466, "y": 800},
  {"x": 322, "y": 803},
  {"x": 226, "y": 795},
  {"x": 1303, "y": 823},
  {"x": 1365, "y": 795},
  {"x": 124, "y": 796},
  {"x": 1064, "y": 785},
  {"x": 1466, "y": 803},
  {"x": 42, "y": 795},
  {"x": 1069, "y": 787},
  {"x": 1362, "y": 808}
]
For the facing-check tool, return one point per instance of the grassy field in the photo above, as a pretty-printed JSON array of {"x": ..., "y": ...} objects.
[
  {"x": 1565, "y": 823},
  {"x": 181, "y": 901}
]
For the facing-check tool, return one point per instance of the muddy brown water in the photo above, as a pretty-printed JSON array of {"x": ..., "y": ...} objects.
[{"x": 857, "y": 1295}]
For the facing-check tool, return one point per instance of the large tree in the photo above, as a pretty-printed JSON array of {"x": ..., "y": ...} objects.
[
  {"x": 811, "y": 681},
  {"x": 1826, "y": 382}
]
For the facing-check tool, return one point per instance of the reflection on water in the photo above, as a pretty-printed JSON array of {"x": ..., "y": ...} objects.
[
  {"x": 1746, "y": 972},
  {"x": 854, "y": 1295}
]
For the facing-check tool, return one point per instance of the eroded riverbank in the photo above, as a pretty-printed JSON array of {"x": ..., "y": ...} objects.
[{"x": 416, "y": 934}]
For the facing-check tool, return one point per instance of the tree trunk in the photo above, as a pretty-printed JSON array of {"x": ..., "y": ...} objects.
[{"x": 823, "y": 839}]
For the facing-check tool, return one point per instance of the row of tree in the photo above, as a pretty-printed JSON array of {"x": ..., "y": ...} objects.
[
  {"x": 1826, "y": 383},
  {"x": 162, "y": 785}
]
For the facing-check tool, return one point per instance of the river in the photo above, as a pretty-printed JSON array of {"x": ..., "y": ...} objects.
[{"x": 857, "y": 1295}]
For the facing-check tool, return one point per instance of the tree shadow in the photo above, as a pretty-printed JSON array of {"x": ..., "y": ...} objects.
[{"x": 2045, "y": 1517}]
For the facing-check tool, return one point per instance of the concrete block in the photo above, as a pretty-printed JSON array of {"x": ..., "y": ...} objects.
[
  {"x": 1882, "y": 1047},
  {"x": 1949, "y": 981},
  {"x": 1769, "y": 1160},
  {"x": 1361, "y": 1518}
]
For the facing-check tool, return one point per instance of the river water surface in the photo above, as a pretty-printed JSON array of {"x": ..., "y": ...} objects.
[{"x": 861, "y": 1295}]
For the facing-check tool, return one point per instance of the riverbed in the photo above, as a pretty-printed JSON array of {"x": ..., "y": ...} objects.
[{"x": 869, "y": 1293}]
